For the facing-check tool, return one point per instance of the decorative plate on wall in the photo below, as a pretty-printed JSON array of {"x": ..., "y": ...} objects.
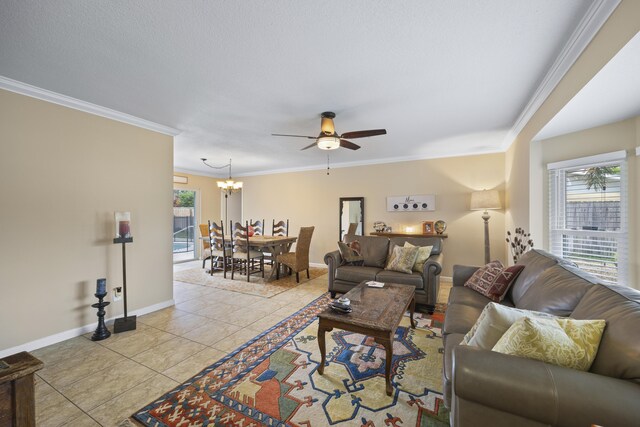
[{"x": 440, "y": 226}]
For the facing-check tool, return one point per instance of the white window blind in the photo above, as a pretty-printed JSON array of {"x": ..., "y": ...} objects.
[{"x": 588, "y": 214}]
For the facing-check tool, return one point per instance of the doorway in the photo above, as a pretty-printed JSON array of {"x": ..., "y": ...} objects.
[
  {"x": 184, "y": 225},
  {"x": 231, "y": 207}
]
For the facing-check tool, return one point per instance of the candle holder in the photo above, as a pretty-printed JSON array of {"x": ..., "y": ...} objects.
[{"x": 101, "y": 332}]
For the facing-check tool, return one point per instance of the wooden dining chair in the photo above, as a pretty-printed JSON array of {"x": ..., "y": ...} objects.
[
  {"x": 206, "y": 245},
  {"x": 219, "y": 249},
  {"x": 258, "y": 227},
  {"x": 243, "y": 254},
  {"x": 280, "y": 228},
  {"x": 299, "y": 260}
]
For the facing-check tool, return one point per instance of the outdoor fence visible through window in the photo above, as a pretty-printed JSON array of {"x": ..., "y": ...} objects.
[{"x": 587, "y": 216}]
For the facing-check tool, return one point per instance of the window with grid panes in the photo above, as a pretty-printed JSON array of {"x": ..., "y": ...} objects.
[{"x": 588, "y": 214}]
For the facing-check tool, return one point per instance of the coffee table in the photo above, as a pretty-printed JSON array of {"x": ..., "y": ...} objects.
[{"x": 377, "y": 312}]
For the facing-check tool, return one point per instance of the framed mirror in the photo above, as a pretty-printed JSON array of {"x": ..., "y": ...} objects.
[{"x": 351, "y": 216}]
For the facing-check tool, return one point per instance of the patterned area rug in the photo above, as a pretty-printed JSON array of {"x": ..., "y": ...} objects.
[
  {"x": 272, "y": 380},
  {"x": 257, "y": 285}
]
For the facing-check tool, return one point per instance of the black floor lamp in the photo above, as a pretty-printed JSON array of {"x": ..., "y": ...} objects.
[{"x": 485, "y": 200}]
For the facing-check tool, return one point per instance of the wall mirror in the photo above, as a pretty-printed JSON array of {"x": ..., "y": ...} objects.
[{"x": 351, "y": 216}]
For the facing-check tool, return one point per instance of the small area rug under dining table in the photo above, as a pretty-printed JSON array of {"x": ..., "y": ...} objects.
[
  {"x": 272, "y": 380},
  {"x": 256, "y": 286}
]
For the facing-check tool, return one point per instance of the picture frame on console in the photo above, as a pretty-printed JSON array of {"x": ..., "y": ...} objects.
[{"x": 427, "y": 227}]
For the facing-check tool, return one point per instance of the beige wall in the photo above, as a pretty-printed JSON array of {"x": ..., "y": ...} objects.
[
  {"x": 602, "y": 139},
  {"x": 62, "y": 175},
  {"x": 208, "y": 198},
  {"x": 311, "y": 198},
  {"x": 621, "y": 26}
]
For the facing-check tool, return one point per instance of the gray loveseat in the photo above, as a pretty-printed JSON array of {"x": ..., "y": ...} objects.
[
  {"x": 375, "y": 250},
  {"x": 487, "y": 388}
]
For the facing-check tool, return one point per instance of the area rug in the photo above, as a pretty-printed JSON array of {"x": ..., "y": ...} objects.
[
  {"x": 272, "y": 380},
  {"x": 257, "y": 286}
]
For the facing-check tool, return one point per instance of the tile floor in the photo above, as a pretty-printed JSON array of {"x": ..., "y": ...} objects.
[{"x": 87, "y": 383}]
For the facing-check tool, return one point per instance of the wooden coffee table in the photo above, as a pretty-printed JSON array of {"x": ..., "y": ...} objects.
[{"x": 377, "y": 312}]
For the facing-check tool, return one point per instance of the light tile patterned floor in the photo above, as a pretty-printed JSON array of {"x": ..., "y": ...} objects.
[{"x": 86, "y": 383}]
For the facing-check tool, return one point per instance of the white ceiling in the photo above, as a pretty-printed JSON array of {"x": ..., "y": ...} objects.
[
  {"x": 610, "y": 96},
  {"x": 444, "y": 78}
]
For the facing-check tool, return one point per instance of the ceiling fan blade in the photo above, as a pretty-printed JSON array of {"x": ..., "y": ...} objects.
[
  {"x": 295, "y": 136},
  {"x": 309, "y": 146},
  {"x": 363, "y": 133},
  {"x": 348, "y": 144}
]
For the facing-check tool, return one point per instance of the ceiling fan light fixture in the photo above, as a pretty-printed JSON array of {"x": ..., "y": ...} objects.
[{"x": 328, "y": 142}]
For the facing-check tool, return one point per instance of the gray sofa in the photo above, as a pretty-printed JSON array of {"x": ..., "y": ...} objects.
[
  {"x": 487, "y": 388},
  {"x": 375, "y": 250}
]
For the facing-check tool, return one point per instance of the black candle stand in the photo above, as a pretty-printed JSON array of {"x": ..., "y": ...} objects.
[
  {"x": 101, "y": 332},
  {"x": 126, "y": 323}
]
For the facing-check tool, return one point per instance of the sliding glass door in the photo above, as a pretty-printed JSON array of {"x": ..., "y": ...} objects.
[{"x": 185, "y": 236}]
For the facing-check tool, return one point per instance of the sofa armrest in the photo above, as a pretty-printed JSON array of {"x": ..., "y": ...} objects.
[
  {"x": 333, "y": 260},
  {"x": 431, "y": 270},
  {"x": 542, "y": 392},
  {"x": 462, "y": 273}
]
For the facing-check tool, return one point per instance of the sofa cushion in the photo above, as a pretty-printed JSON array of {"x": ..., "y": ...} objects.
[
  {"x": 402, "y": 259},
  {"x": 423, "y": 255},
  {"x": 460, "y": 318},
  {"x": 435, "y": 242},
  {"x": 374, "y": 249},
  {"x": 535, "y": 262},
  {"x": 388, "y": 276},
  {"x": 493, "y": 322},
  {"x": 619, "y": 353},
  {"x": 357, "y": 274},
  {"x": 564, "y": 342},
  {"x": 493, "y": 280},
  {"x": 350, "y": 253},
  {"x": 557, "y": 290},
  {"x": 463, "y": 295}
]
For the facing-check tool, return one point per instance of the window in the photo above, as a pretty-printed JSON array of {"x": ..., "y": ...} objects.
[{"x": 588, "y": 214}]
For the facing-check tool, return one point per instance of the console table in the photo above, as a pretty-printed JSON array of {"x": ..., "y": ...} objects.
[
  {"x": 17, "y": 400},
  {"x": 376, "y": 233}
]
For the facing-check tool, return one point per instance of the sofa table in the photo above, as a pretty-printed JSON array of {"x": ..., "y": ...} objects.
[{"x": 377, "y": 312}]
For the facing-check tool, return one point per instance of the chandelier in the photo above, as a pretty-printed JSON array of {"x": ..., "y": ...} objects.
[{"x": 229, "y": 185}]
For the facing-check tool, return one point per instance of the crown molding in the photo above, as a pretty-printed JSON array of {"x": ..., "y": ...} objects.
[
  {"x": 366, "y": 163},
  {"x": 67, "y": 101},
  {"x": 590, "y": 24}
]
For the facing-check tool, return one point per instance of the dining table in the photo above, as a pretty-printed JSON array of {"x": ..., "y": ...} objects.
[{"x": 275, "y": 245}]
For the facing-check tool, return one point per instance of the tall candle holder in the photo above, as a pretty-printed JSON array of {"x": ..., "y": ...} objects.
[{"x": 101, "y": 332}]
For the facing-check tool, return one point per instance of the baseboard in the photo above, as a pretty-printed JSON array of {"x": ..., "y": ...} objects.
[
  {"x": 317, "y": 264},
  {"x": 72, "y": 333},
  {"x": 446, "y": 278}
]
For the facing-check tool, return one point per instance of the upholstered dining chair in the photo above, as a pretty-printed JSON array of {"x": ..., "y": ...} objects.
[
  {"x": 258, "y": 227},
  {"x": 299, "y": 260},
  {"x": 353, "y": 226},
  {"x": 206, "y": 245},
  {"x": 220, "y": 252},
  {"x": 279, "y": 228},
  {"x": 243, "y": 254}
]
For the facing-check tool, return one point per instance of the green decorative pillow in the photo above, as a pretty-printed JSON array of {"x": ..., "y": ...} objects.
[
  {"x": 350, "y": 253},
  {"x": 493, "y": 322},
  {"x": 402, "y": 259},
  {"x": 564, "y": 342},
  {"x": 424, "y": 252}
]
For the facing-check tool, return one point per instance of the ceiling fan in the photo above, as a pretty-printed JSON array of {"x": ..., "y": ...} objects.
[{"x": 328, "y": 139}]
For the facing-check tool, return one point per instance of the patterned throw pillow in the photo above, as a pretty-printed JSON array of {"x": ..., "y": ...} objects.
[
  {"x": 564, "y": 342},
  {"x": 402, "y": 259},
  {"x": 493, "y": 280},
  {"x": 351, "y": 253},
  {"x": 494, "y": 321},
  {"x": 424, "y": 252}
]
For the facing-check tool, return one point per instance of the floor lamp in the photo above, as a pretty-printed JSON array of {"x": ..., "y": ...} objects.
[{"x": 485, "y": 200}]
